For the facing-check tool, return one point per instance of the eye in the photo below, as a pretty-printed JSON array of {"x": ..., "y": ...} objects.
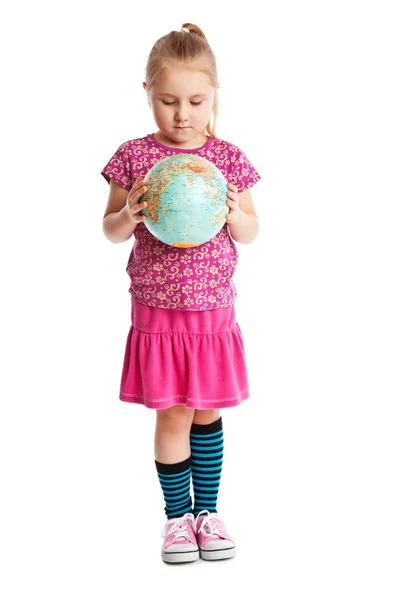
[{"x": 169, "y": 103}]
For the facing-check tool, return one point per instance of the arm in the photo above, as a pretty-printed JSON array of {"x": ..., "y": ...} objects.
[
  {"x": 242, "y": 220},
  {"x": 118, "y": 225}
]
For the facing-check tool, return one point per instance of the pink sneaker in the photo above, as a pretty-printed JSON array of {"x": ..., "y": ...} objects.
[
  {"x": 212, "y": 537},
  {"x": 179, "y": 543}
]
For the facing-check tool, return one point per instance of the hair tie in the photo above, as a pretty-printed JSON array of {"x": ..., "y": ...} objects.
[{"x": 185, "y": 29}]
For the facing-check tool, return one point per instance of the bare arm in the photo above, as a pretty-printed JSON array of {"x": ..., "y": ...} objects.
[
  {"x": 243, "y": 222},
  {"x": 245, "y": 229},
  {"x": 123, "y": 211}
]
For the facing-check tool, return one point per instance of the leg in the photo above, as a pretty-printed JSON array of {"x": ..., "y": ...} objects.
[
  {"x": 203, "y": 417},
  {"x": 171, "y": 438},
  {"x": 206, "y": 442},
  {"x": 173, "y": 459},
  {"x": 173, "y": 463}
]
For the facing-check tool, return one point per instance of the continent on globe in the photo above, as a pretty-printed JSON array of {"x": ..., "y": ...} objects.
[{"x": 186, "y": 200}]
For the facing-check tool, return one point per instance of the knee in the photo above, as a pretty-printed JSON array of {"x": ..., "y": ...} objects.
[
  {"x": 204, "y": 417},
  {"x": 176, "y": 419}
]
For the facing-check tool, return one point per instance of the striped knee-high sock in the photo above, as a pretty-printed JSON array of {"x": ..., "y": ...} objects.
[
  {"x": 206, "y": 443},
  {"x": 175, "y": 484}
]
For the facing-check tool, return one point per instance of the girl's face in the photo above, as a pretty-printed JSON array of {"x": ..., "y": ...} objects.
[{"x": 182, "y": 103}]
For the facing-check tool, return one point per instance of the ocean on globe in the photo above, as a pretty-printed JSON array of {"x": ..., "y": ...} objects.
[{"x": 186, "y": 200}]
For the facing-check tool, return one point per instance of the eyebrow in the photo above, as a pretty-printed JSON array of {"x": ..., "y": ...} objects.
[{"x": 172, "y": 96}]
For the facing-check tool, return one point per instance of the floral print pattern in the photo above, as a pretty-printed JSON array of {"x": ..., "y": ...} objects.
[{"x": 195, "y": 278}]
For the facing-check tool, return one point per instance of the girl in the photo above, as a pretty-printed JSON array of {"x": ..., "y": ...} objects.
[{"x": 184, "y": 354}]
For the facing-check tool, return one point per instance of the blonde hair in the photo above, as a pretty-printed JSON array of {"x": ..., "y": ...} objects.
[{"x": 184, "y": 46}]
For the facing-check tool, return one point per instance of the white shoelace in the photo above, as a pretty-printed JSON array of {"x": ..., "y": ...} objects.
[
  {"x": 211, "y": 524},
  {"x": 180, "y": 527}
]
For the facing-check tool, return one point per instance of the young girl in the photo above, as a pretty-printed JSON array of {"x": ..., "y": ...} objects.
[{"x": 184, "y": 354}]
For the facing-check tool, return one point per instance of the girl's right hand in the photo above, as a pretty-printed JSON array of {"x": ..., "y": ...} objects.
[{"x": 132, "y": 201}]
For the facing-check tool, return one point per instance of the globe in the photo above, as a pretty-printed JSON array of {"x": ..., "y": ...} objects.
[{"x": 186, "y": 200}]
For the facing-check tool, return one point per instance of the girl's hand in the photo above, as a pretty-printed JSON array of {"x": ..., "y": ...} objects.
[
  {"x": 233, "y": 203},
  {"x": 132, "y": 201}
]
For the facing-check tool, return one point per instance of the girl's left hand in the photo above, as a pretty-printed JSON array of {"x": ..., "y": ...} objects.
[{"x": 233, "y": 203}]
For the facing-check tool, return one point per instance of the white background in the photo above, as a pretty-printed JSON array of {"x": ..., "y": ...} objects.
[{"x": 310, "y": 484}]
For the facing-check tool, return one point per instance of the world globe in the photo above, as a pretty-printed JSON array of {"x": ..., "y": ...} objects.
[{"x": 186, "y": 200}]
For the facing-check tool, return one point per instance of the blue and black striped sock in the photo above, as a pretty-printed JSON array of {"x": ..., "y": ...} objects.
[
  {"x": 175, "y": 484},
  {"x": 206, "y": 443}
]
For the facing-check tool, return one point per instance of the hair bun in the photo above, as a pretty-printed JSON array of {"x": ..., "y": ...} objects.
[{"x": 191, "y": 28}]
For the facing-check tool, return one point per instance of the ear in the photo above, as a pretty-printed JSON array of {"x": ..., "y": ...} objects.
[{"x": 145, "y": 88}]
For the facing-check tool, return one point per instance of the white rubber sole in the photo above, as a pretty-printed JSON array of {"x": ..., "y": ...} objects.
[
  {"x": 180, "y": 557},
  {"x": 218, "y": 554}
]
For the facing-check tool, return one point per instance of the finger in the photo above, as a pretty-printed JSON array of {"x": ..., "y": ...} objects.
[
  {"x": 140, "y": 191},
  {"x": 138, "y": 183}
]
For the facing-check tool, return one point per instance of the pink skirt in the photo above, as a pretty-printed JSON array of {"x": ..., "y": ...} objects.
[{"x": 195, "y": 358}]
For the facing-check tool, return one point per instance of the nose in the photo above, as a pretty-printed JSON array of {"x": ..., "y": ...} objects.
[{"x": 182, "y": 113}]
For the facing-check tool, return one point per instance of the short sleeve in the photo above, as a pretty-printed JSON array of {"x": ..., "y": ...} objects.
[
  {"x": 119, "y": 168},
  {"x": 241, "y": 172}
]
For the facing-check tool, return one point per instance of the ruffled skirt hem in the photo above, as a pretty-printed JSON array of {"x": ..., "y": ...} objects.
[
  {"x": 178, "y": 357},
  {"x": 208, "y": 404}
]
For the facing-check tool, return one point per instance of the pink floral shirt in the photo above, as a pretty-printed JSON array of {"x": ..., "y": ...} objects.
[{"x": 194, "y": 278}]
